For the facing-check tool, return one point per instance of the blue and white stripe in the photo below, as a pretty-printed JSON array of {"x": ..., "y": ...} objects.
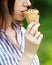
[{"x": 9, "y": 53}]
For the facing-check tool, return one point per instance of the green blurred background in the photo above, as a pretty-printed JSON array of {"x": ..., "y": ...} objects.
[{"x": 45, "y": 49}]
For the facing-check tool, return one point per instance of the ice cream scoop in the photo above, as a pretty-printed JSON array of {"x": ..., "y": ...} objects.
[{"x": 32, "y": 15}]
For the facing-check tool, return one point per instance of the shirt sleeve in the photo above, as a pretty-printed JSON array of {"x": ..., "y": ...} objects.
[{"x": 35, "y": 60}]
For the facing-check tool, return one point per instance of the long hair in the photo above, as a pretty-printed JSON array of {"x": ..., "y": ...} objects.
[
  {"x": 10, "y": 5},
  {"x": 2, "y": 13}
]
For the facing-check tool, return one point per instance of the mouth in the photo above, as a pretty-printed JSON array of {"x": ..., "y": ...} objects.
[{"x": 23, "y": 11}]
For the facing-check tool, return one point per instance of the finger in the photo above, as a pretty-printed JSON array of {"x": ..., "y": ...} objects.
[
  {"x": 39, "y": 39},
  {"x": 34, "y": 29},
  {"x": 37, "y": 35},
  {"x": 30, "y": 27},
  {"x": 34, "y": 40}
]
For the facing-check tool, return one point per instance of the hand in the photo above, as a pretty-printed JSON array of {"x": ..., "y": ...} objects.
[{"x": 32, "y": 38}]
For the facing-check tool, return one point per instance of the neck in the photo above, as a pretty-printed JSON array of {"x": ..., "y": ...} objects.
[{"x": 19, "y": 22}]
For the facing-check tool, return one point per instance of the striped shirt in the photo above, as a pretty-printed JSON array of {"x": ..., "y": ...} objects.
[{"x": 9, "y": 53}]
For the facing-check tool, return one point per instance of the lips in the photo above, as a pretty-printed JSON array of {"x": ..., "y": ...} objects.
[{"x": 23, "y": 11}]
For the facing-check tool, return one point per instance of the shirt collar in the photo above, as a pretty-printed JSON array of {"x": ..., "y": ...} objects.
[{"x": 16, "y": 25}]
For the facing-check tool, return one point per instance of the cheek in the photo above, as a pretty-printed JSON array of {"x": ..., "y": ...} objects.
[{"x": 17, "y": 8}]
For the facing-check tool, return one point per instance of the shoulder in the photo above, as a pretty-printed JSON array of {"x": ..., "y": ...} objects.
[
  {"x": 2, "y": 45},
  {"x": 2, "y": 57}
]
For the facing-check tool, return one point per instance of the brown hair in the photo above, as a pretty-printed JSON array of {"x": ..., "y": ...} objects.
[{"x": 10, "y": 5}]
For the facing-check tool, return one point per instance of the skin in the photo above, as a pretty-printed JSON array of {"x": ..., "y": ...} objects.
[
  {"x": 19, "y": 7},
  {"x": 32, "y": 36},
  {"x": 18, "y": 15}
]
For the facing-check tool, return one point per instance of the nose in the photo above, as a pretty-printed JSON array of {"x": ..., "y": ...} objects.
[{"x": 27, "y": 3}]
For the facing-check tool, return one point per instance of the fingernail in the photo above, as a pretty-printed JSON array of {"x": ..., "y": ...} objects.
[{"x": 35, "y": 21}]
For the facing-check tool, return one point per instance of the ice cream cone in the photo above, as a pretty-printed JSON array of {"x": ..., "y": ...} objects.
[{"x": 32, "y": 15}]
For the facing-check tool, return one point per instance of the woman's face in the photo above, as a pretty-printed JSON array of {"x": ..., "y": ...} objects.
[{"x": 19, "y": 7}]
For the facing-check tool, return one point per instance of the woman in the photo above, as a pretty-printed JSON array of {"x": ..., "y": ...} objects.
[{"x": 17, "y": 45}]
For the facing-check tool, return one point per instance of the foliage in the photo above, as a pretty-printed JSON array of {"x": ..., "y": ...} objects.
[{"x": 45, "y": 49}]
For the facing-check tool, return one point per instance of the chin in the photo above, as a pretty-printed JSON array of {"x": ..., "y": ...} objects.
[{"x": 20, "y": 19}]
